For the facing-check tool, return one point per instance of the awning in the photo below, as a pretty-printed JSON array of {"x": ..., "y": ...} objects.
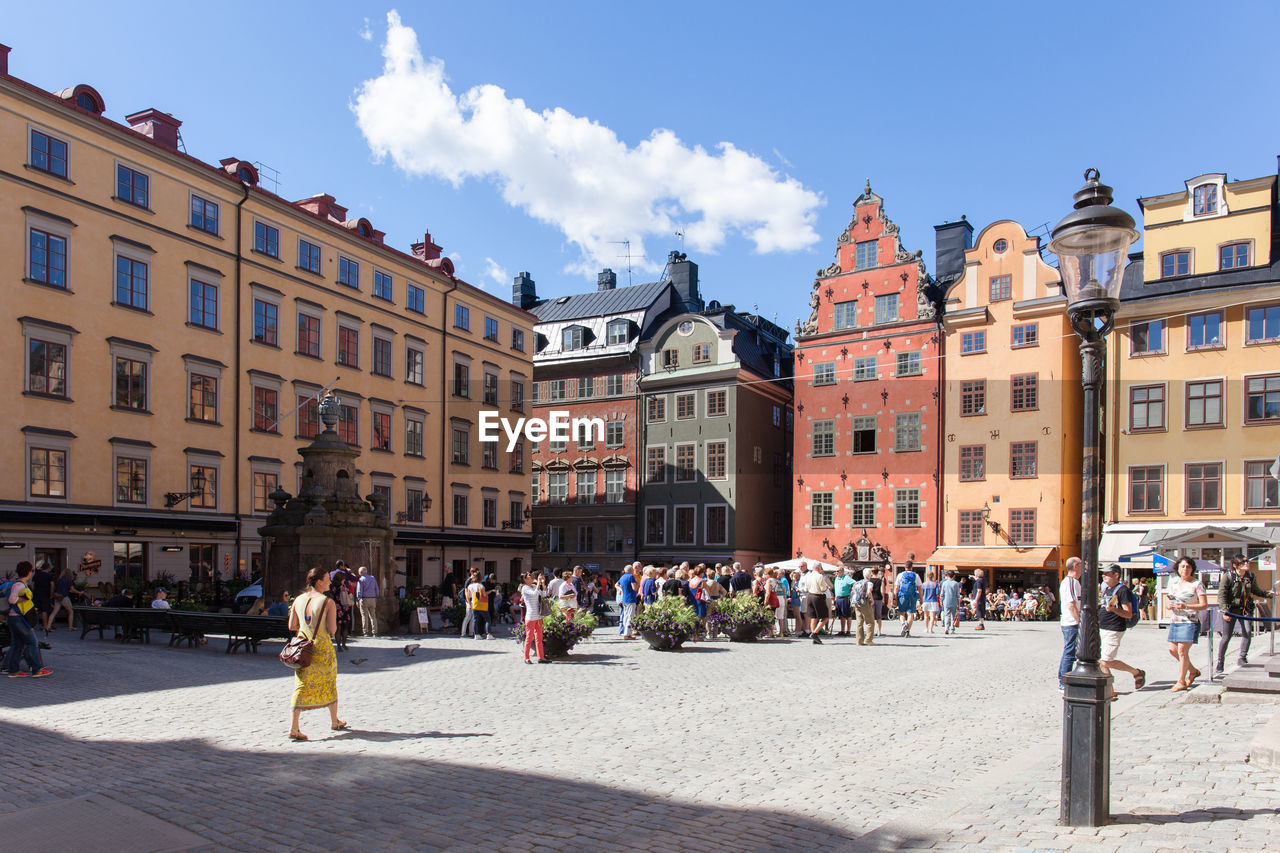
[
  {"x": 1030, "y": 558},
  {"x": 1116, "y": 545}
]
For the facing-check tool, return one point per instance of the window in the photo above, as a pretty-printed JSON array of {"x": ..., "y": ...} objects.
[
  {"x": 615, "y": 485},
  {"x": 906, "y": 507},
  {"x": 414, "y": 371},
  {"x": 557, "y": 487},
  {"x": 534, "y": 484},
  {"x": 585, "y": 487},
  {"x": 349, "y": 424},
  {"x": 887, "y": 308},
  {"x": 264, "y": 483},
  {"x": 1146, "y": 407},
  {"x": 971, "y": 342},
  {"x": 973, "y": 397},
  {"x": 655, "y": 525},
  {"x": 266, "y": 409},
  {"x": 1205, "y": 200},
  {"x": 348, "y": 272},
  {"x": 133, "y": 186},
  {"x": 613, "y": 385},
  {"x": 613, "y": 434},
  {"x": 1175, "y": 263},
  {"x": 461, "y": 444},
  {"x": 131, "y": 480},
  {"x": 517, "y": 457},
  {"x": 555, "y": 538},
  {"x": 1146, "y": 338},
  {"x": 308, "y": 335},
  {"x": 657, "y": 410},
  {"x": 1022, "y": 459},
  {"x": 48, "y": 154},
  {"x": 413, "y": 504},
  {"x": 1146, "y": 488},
  {"x": 909, "y": 364},
  {"x": 864, "y": 434},
  {"x": 382, "y": 431},
  {"x": 717, "y": 405},
  {"x": 824, "y": 438},
  {"x": 846, "y": 316},
  {"x": 208, "y": 496},
  {"x": 348, "y": 346},
  {"x": 1204, "y": 486},
  {"x": 517, "y": 395},
  {"x": 906, "y": 429},
  {"x": 461, "y": 510},
  {"x": 1204, "y": 331},
  {"x": 557, "y": 390},
  {"x": 308, "y": 416},
  {"x": 864, "y": 368},
  {"x": 865, "y": 254},
  {"x": 490, "y": 389},
  {"x": 586, "y": 539},
  {"x": 973, "y": 463},
  {"x": 1000, "y": 246},
  {"x": 202, "y": 402},
  {"x": 717, "y": 460},
  {"x": 686, "y": 525},
  {"x": 517, "y": 340},
  {"x": 1001, "y": 287},
  {"x": 1204, "y": 403},
  {"x": 462, "y": 317},
  {"x": 1022, "y": 526},
  {"x": 461, "y": 380},
  {"x": 131, "y": 384},
  {"x": 971, "y": 527},
  {"x": 864, "y": 507},
  {"x": 266, "y": 239},
  {"x": 655, "y": 469},
  {"x": 685, "y": 406},
  {"x": 204, "y": 305},
  {"x": 1262, "y": 398},
  {"x": 204, "y": 214},
  {"x": 1263, "y": 324},
  {"x": 701, "y": 353},
  {"x": 382, "y": 286},
  {"x": 671, "y": 358},
  {"x": 586, "y": 387},
  {"x": 415, "y": 298},
  {"x": 1233, "y": 256},
  {"x": 618, "y": 332},
  {"x": 381, "y": 357},
  {"x": 48, "y": 258},
  {"x": 1025, "y": 392},
  {"x": 821, "y": 510},
  {"x": 131, "y": 283},
  {"x": 824, "y": 373},
  {"x": 266, "y": 321},
  {"x": 308, "y": 256},
  {"x": 686, "y": 462},
  {"x": 490, "y": 329},
  {"x": 46, "y": 368},
  {"x": 1262, "y": 491},
  {"x": 777, "y": 417},
  {"x": 48, "y": 473},
  {"x": 1026, "y": 335},
  {"x": 717, "y": 525},
  {"x": 489, "y": 455}
]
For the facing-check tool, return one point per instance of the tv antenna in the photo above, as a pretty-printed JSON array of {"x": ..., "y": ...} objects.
[
  {"x": 626, "y": 245},
  {"x": 680, "y": 235}
]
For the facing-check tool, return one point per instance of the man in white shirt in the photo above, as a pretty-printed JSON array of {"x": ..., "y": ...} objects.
[
  {"x": 814, "y": 586},
  {"x": 1069, "y": 594}
]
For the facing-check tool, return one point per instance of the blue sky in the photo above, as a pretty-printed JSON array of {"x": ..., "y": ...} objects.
[{"x": 991, "y": 110}]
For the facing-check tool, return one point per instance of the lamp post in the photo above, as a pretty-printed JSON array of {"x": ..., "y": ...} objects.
[{"x": 1092, "y": 244}]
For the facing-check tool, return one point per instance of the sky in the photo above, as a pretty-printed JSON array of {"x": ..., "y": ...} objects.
[{"x": 558, "y": 137}]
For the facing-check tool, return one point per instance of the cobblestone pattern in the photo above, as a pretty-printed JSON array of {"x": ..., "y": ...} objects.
[{"x": 934, "y": 742}]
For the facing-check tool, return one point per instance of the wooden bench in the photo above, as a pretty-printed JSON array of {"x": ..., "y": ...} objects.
[
  {"x": 247, "y": 631},
  {"x": 97, "y": 618}
]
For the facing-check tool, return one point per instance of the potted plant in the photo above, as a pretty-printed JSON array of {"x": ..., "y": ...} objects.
[
  {"x": 559, "y": 636},
  {"x": 667, "y": 623},
  {"x": 742, "y": 618}
]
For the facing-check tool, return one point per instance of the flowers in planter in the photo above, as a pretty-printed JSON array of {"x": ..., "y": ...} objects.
[
  {"x": 556, "y": 628},
  {"x": 743, "y": 613},
  {"x": 670, "y": 619}
]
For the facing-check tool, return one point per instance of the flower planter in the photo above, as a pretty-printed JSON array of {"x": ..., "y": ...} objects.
[
  {"x": 663, "y": 643},
  {"x": 554, "y": 647},
  {"x": 745, "y": 634}
]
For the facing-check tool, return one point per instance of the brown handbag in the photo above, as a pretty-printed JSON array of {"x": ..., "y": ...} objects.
[{"x": 297, "y": 653}]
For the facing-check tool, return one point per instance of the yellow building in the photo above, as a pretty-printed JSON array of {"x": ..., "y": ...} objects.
[
  {"x": 1012, "y": 416},
  {"x": 176, "y": 322},
  {"x": 1194, "y": 379}
]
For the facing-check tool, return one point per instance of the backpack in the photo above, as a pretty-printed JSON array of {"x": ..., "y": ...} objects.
[
  {"x": 862, "y": 593},
  {"x": 1137, "y": 612},
  {"x": 480, "y": 600},
  {"x": 908, "y": 585},
  {"x": 4, "y": 597}
]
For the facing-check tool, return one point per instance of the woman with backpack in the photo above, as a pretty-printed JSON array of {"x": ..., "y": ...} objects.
[
  {"x": 907, "y": 589},
  {"x": 19, "y": 606},
  {"x": 930, "y": 601},
  {"x": 478, "y": 597}
]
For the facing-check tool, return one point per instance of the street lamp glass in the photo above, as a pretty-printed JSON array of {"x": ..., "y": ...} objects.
[{"x": 1091, "y": 259}]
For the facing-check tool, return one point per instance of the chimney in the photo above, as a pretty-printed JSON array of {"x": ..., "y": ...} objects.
[
  {"x": 606, "y": 280},
  {"x": 161, "y": 127},
  {"x": 950, "y": 241},
  {"x": 683, "y": 273},
  {"x": 4, "y": 59},
  {"x": 427, "y": 250},
  {"x": 523, "y": 293}
]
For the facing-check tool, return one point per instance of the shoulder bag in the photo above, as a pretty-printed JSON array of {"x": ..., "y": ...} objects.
[{"x": 297, "y": 653}]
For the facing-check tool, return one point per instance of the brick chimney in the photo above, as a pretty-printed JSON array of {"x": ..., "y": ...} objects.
[
  {"x": 4, "y": 58},
  {"x": 524, "y": 294},
  {"x": 427, "y": 250},
  {"x": 950, "y": 242},
  {"x": 161, "y": 127},
  {"x": 683, "y": 273},
  {"x": 606, "y": 280}
]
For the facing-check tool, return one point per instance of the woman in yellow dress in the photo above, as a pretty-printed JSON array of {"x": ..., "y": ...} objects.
[{"x": 316, "y": 686}]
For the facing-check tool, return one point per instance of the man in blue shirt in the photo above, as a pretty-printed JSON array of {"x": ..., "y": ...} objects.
[
  {"x": 950, "y": 603},
  {"x": 627, "y": 599},
  {"x": 367, "y": 602}
]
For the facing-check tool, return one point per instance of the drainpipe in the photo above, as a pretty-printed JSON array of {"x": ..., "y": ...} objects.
[
  {"x": 235, "y": 422},
  {"x": 642, "y": 434},
  {"x": 941, "y": 442},
  {"x": 445, "y": 437}
]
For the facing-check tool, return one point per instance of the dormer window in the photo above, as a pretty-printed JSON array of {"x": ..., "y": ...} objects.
[
  {"x": 363, "y": 229},
  {"x": 573, "y": 338},
  {"x": 1205, "y": 200},
  {"x": 85, "y": 102},
  {"x": 618, "y": 332},
  {"x": 245, "y": 175},
  {"x": 1175, "y": 263},
  {"x": 866, "y": 255}
]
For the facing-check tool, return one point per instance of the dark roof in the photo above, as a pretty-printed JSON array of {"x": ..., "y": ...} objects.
[
  {"x": 756, "y": 342},
  {"x": 1133, "y": 288},
  {"x": 599, "y": 303}
]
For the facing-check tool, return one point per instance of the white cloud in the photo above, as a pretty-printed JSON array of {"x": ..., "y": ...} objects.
[
  {"x": 496, "y": 272},
  {"x": 572, "y": 172},
  {"x": 367, "y": 32}
]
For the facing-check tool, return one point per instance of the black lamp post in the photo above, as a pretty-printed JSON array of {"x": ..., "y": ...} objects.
[
  {"x": 1092, "y": 244},
  {"x": 172, "y": 499}
]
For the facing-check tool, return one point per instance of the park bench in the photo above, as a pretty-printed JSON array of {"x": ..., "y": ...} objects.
[
  {"x": 184, "y": 626},
  {"x": 247, "y": 631},
  {"x": 134, "y": 623}
]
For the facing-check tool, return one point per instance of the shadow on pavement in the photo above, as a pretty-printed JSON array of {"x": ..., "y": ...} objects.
[
  {"x": 389, "y": 737},
  {"x": 1211, "y": 815},
  {"x": 245, "y": 799}
]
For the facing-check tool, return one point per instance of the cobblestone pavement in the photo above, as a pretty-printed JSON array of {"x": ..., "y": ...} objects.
[{"x": 932, "y": 742}]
